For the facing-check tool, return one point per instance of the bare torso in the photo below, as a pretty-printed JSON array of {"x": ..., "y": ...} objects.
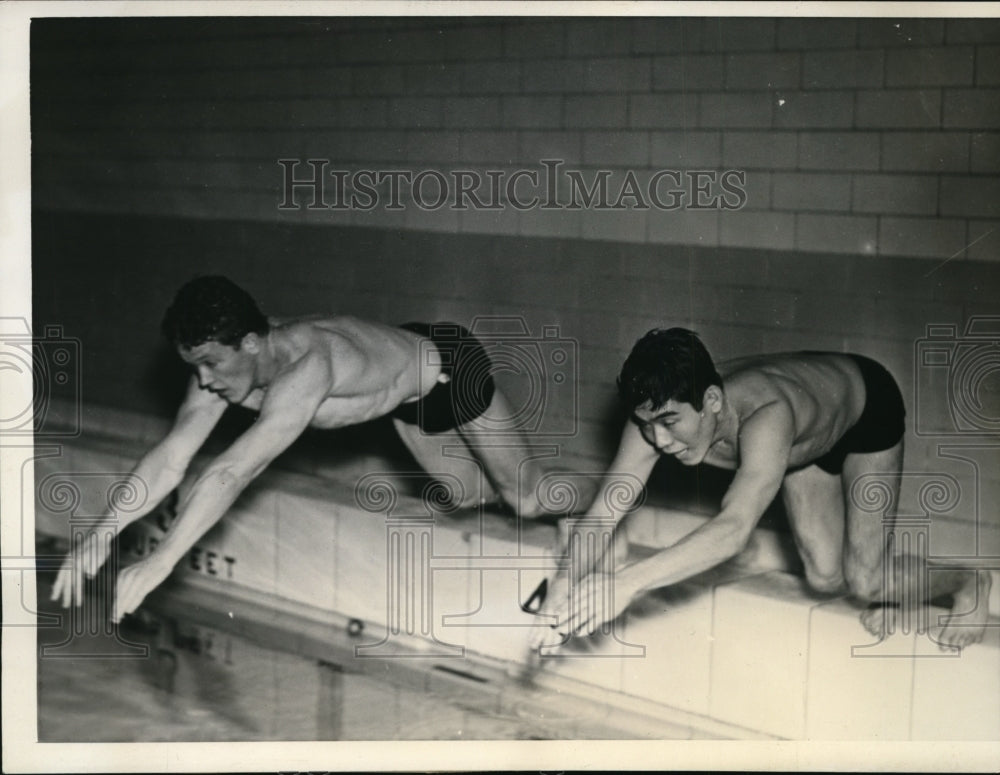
[
  {"x": 824, "y": 391},
  {"x": 374, "y": 367}
]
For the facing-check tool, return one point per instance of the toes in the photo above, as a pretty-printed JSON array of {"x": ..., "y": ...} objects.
[
  {"x": 950, "y": 640},
  {"x": 873, "y": 620},
  {"x": 957, "y": 638}
]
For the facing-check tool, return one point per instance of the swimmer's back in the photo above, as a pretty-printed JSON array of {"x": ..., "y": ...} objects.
[{"x": 824, "y": 390}]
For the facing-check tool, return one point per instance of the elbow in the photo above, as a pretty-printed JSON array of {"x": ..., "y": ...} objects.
[
  {"x": 736, "y": 536},
  {"x": 172, "y": 477}
]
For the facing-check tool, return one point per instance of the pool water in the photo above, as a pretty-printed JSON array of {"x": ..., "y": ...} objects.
[{"x": 182, "y": 670}]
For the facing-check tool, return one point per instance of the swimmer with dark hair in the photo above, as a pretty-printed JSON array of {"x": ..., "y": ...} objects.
[
  {"x": 807, "y": 424},
  {"x": 434, "y": 381}
]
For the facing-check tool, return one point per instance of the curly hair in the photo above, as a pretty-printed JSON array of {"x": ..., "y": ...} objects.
[
  {"x": 667, "y": 364},
  {"x": 212, "y": 309}
]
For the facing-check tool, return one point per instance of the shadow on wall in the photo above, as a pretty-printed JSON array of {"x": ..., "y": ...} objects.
[
  {"x": 700, "y": 490},
  {"x": 164, "y": 380}
]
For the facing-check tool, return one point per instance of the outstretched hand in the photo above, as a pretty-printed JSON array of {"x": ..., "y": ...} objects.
[
  {"x": 85, "y": 558},
  {"x": 581, "y": 608},
  {"x": 543, "y": 632},
  {"x": 597, "y": 598},
  {"x": 135, "y": 582}
]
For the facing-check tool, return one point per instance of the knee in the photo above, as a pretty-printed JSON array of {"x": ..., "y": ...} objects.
[
  {"x": 529, "y": 507},
  {"x": 824, "y": 574},
  {"x": 825, "y": 583}
]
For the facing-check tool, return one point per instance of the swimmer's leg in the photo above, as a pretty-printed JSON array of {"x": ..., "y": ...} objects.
[
  {"x": 864, "y": 552},
  {"x": 865, "y": 544},
  {"x": 815, "y": 506},
  {"x": 865, "y": 556},
  {"x": 429, "y": 448},
  {"x": 511, "y": 465}
]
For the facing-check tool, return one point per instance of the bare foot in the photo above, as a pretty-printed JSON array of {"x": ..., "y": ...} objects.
[
  {"x": 966, "y": 624},
  {"x": 880, "y": 618}
]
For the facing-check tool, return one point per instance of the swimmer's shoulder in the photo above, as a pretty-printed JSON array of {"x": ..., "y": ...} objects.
[
  {"x": 756, "y": 380},
  {"x": 307, "y": 331},
  {"x": 747, "y": 386},
  {"x": 315, "y": 338},
  {"x": 791, "y": 364},
  {"x": 797, "y": 378}
]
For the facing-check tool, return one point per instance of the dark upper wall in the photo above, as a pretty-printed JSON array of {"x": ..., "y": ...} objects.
[{"x": 870, "y": 136}]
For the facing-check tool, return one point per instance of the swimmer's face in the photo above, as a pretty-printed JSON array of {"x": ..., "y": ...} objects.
[
  {"x": 678, "y": 429},
  {"x": 226, "y": 371}
]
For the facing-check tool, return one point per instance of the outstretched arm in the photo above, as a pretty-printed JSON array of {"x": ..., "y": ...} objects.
[
  {"x": 291, "y": 402},
  {"x": 159, "y": 471},
  {"x": 765, "y": 442},
  {"x": 618, "y": 492},
  {"x": 621, "y": 487}
]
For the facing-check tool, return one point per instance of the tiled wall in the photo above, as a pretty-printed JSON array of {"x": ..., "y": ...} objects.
[
  {"x": 870, "y": 149},
  {"x": 600, "y": 296},
  {"x": 870, "y": 136}
]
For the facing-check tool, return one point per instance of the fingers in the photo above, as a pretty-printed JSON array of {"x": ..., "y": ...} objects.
[
  {"x": 68, "y": 586},
  {"x": 133, "y": 585},
  {"x": 576, "y": 612},
  {"x": 538, "y": 637},
  {"x": 543, "y": 637},
  {"x": 77, "y": 586},
  {"x": 57, "y": 586},
  {"x": 94, "y": 554},
  {"x": 571, "y": 610},
  {"x": 571, "y": 622},
  {"x": 127, "y": 596},
  {"x": 122, "y": 594}
]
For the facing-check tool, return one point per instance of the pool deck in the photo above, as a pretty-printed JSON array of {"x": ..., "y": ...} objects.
[{"x": 742, "y": 651}]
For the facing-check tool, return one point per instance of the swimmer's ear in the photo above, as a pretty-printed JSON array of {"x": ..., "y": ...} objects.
[
  {"x": 250, "y": 343},
  {"x": 712, "y": 399}
]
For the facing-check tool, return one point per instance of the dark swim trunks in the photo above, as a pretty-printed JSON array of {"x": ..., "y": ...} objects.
[
  {"x": 880, "y": 425},
  {"x": 469, "y": 391}
]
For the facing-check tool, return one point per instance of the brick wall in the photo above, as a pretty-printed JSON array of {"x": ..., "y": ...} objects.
[{"x": 870, "y": 147}]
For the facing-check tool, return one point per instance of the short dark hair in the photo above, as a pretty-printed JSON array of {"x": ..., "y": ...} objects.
[
  {"x": 667, "y": 364},
  {"x": 212, "y": 309}
]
